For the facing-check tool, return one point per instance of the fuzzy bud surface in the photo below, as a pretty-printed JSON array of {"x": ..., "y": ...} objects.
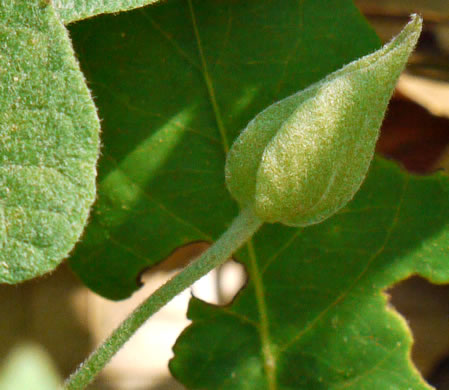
[{"x": 303, "y": 158}]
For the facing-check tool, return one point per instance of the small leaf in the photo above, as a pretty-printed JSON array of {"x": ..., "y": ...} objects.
[
  {"x": 48, "y": 144},
  {"x": 72, "y": 10}
]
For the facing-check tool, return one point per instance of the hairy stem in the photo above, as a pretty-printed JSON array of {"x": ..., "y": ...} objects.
[{"x": 241, "y": 230}]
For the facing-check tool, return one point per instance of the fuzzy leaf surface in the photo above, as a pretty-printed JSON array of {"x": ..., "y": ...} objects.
[
  {"x": 72, "y": 10},
  {"x": 175, "y": 83},
  {"x": 48, "y": 144}
]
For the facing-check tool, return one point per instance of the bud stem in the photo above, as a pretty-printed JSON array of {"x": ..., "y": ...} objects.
[{"x": 240, "y": 231}]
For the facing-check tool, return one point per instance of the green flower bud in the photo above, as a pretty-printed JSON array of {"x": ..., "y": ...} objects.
[{"x": 302, "y": 159}]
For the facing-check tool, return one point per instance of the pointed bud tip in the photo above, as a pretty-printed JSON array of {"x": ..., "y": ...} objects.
[
  {"x": 411, "y": 31},
  {"x": 414, "y": 27}
]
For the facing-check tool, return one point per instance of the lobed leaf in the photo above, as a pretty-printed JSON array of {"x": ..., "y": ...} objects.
[
  {"x": 48, "y": 144},
  {"x": 313, "y": 315}
]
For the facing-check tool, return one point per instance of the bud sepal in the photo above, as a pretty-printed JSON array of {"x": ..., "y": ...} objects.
[{"x": 302, "y": 159}]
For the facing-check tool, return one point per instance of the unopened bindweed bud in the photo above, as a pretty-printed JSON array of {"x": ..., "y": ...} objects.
[{"x": 302, "y": 159}]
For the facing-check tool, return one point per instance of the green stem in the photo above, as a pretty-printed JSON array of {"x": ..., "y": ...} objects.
[{"x": 241, "y": 230}]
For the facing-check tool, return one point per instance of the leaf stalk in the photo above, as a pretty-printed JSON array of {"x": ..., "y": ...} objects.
[{"x": 241, "y": 230}]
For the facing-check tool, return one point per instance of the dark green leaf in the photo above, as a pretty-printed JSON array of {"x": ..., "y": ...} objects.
[{"x": 175, "y": 83}]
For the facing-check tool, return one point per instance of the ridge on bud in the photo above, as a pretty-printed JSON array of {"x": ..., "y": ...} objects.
[{"x": 303, "y": 158}]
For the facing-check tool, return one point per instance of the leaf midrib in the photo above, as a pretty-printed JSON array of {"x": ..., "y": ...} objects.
[
  {"x": 256, "y": 276},
  {"x": 208, "y": 82},
  {"x": 264, "y": 331}
]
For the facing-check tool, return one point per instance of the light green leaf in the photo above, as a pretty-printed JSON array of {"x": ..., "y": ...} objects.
[
  {"x": 48, "y": 144},
  {"x": 72, "y": 10},
  {"x": 313, "y": 315},
  {"x": 170, "y": 112},
  {"x": 28, "y": 367}
]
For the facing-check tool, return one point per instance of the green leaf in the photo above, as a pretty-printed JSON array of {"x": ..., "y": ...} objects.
[
  {"x": 72, "y": 10},
  {"x": 313, "y": 315},
  {"x": 175, "y": 84},
  {"x": 28, "y": 367},
  {"x": 48, "y": 145}
]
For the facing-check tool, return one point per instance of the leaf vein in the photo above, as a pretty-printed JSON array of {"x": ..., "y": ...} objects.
[
  {"x": 346, "y": 292},
  {"x": 208, "y": 82},
  {"x": 160, "y": 205}
]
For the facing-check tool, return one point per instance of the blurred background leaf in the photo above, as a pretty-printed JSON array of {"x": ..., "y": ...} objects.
[{"x": 27, "y": 367}]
